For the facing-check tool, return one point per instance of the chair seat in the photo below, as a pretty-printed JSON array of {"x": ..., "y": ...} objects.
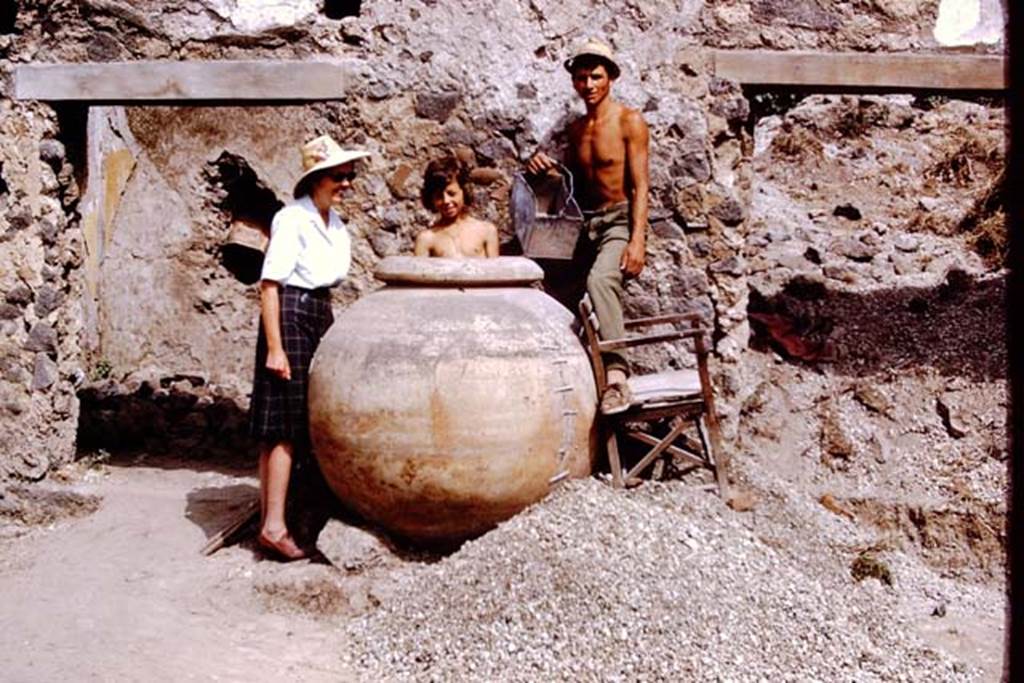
[{"x": 664, "y": 387}]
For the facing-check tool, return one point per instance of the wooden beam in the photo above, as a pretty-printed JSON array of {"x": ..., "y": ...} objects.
[
  {"x": 312, "y": 81},
  {"x": 862, "y": 70},
  {"x": 181, "y": 81}
]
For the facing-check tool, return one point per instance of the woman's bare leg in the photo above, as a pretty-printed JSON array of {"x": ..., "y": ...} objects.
[{"x": 275, "y": 473}]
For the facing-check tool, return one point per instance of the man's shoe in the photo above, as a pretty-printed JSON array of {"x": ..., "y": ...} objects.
[{"x": 617, "y": 398}]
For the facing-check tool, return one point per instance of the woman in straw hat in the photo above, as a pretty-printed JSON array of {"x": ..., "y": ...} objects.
[{"x": 309, "y": 253}]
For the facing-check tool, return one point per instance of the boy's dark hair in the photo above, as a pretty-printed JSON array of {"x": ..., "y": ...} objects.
[{"x": 439, "y": 174}]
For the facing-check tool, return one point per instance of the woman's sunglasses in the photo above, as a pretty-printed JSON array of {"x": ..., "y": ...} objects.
[{"x": 339, "y": 176}]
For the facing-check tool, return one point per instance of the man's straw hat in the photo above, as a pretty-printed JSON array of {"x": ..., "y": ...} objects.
[
  {"x": 595, "y": 48},
  {"x": 321, "y": 153}
]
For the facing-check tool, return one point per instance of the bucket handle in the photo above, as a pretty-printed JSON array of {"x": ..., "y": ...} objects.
[{"x": 567, "y": 182}]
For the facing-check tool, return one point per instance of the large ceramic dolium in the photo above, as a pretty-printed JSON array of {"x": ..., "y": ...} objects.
[{"x": 452, "y": 398}]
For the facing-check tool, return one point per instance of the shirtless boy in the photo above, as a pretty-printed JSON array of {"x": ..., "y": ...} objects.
[
  {"x": 607, "y": 154},
  {"x": 456, "y": 233}
]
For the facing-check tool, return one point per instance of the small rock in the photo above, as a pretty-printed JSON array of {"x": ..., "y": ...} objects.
[
  {"x": 526, "y": 91},
  {"x": 870, "y": 238},
  {"x": 48, "y": 231},
  {"x": 742, "y": 500},
  {"x": 52, "y": 152},
  {"x": 384, "y": 243},
  {"x": 485, "y": 175},
  {"x": 866, "y": 565},
  {"x": 872, "y": 399},
  {"x": 779, "y": 233},
  {"x": 950, "y": 420},
  {"x": 829, "y": 502},
  {"x": 350, "y": 548},
  {"x": 44, "y": 373},
  {"x": 734, "y": 109},
  {"x": 732, "y": 265},
  {"x": 905, "y": 264},
  {"x": 47, "y": 301},
  {"x": 848, "y": 211},
  {"x": 940, "y": 610},
  {"x": 669, "y": 230},
  {"x": 939, "y": 265},
  {"x": 436, "y": 106},
  {"x": 854, "y": 249},
  {"x": 398, "y": 182},
  {"x": 879, "y": 448},
  {"x": 19, "y": 220},
  {"x": 840, "y": 272},
  {"x": 729, "y": 211},
  {"x": 928, "y": 203},
  {"x": 42, "y": 337},
  {"x": 906, "y": 242},
  {"x": 19, "y": 294}
]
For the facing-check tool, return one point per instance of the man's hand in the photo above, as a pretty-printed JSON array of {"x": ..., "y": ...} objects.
[
  {"x": 632, "y": 261},
  {"x": 277, "y": 363},
  {"x": 541, "y": 163}
]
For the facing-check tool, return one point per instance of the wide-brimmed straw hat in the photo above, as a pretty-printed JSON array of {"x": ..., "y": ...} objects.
[
  {"x": 323, "y": 152},
  {"x": 595, "y": 48}
]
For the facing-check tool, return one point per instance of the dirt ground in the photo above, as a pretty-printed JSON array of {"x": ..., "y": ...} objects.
[
  {"x": 123, "y": 593},
  {"x": 101, "y": 579}
]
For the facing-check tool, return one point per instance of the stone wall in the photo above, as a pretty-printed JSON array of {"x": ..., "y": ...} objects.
[
  {"x": 868, "y": 26},
  {"x": 40, "y": 294},
  {"x": 157, "y": 310}
]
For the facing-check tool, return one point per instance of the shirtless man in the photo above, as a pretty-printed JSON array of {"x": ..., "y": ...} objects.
[
  {"x": 607, "y": 154},
  {"x": 456, "y": 233}
]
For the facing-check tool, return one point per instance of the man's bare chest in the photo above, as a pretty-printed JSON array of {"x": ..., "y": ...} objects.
[{"x": 599, "y": 148}]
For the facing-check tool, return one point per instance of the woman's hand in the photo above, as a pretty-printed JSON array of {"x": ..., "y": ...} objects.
[{"x": 277, "y": 363}]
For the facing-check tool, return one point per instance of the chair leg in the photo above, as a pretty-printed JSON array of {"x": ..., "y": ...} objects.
[
  {"x": 658, "y": 471},
  {"x": 613, "y": 459},
  {"x": 655, "y": 452},
  {"x": 716, "y": 456}
]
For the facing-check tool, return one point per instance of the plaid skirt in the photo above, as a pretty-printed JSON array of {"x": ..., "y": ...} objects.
[{"x": 278, "y": 410}]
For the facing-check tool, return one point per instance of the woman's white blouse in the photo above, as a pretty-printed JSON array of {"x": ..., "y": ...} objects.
[{"x": 303, "y": 252}]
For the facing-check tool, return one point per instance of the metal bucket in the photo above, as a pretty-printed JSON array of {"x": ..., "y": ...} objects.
[{"x": 545, "y": 215}]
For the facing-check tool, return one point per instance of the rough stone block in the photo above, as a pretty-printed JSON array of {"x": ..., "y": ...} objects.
[
  {"x": 42, "y": 337},
  {"x": 44, "y": 374},
  {"x": 47, "y": 301},
  {"x": 436, "y": 106}
]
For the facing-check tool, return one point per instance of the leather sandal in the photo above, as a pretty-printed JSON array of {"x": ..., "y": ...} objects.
[
  {"x": 284, "y": 548},
  {"x": 616, "y": 399}
]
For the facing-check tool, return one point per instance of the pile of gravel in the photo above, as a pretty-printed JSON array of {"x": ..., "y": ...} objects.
[{"x": 659, "y": 583}]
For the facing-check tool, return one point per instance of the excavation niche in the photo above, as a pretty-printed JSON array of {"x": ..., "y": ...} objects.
[
  {"x": 250, "y": 207},
  {"x": 452, "y": 398}
]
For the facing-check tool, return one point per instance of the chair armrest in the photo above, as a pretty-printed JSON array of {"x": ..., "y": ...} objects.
[
  {"x": 627, "y": 342},
  {"x": 663, "y": 319}
]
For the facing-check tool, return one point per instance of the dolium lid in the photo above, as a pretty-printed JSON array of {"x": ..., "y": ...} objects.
[{"x": 458, "y": 272}]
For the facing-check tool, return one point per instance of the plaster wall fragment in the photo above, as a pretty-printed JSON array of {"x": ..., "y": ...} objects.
[{"x": 970, "y": 22}]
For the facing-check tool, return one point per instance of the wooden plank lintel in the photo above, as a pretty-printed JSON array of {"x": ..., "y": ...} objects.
[
  {"x": 864, "y": 70},
  {"x": 181, "y": 81},
  {"x": 309, "y": 81}
]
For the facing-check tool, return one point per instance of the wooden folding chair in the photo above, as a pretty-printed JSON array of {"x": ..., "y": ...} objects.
[{"x": 685, "y": 397}]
